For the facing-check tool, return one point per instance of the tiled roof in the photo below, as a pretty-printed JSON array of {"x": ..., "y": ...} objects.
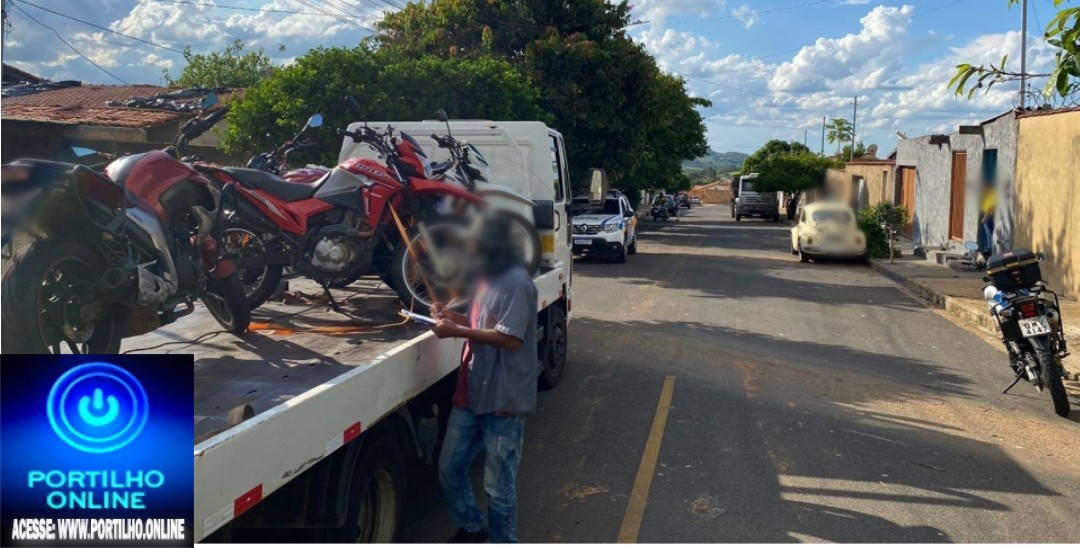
[
  {"x": 1047, "y": 111},
  {"x": 86, "y": 105},
  {"x": 86, "y": 95},
  {"x": 103, "y": 116}
]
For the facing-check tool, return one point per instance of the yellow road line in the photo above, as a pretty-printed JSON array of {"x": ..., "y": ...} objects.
[{"x": 635, "y": 509}]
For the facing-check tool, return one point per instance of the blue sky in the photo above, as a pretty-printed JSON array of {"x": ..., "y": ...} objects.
[{"x": 772, "y": 68}]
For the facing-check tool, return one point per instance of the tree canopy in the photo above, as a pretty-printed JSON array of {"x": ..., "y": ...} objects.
[
  {"x": 605, "y": 93},
  {"x": 755, "y": 162},
  {"x": 840, "y": 132},
  {"x": 1062, "y": 34},
  {"x": 232, "y": 68},
  {"x": 387, "y": 86},
  {"x": 792, "y": 173}
]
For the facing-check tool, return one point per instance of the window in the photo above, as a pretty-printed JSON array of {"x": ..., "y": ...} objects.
[
  {"x": 832, "y": 216},
  {"x": 611, "y": 206},
  {"x": 989, "y": 167},
  {"x": 748, "y": 185},
  {"x": 556, "y": 169},
  {"x": 627, "y": 210}
]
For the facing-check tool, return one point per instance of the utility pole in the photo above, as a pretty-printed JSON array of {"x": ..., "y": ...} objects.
[
  {"x": 805, "y": 133},
  {"x": 822, "y": 136},
  {"x": 854, "y": 118},
  {"x": 1023, "y": 56}
]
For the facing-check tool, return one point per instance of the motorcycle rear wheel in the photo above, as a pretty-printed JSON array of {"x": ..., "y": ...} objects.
[
  {"x": 258, "y": 283},
  {"x": 1053, "y": 380},
  {"x": 227, "y": 303},
  {"x": 40, "y": 289}
]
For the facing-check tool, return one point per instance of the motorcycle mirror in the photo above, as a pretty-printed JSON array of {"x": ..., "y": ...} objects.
[
  {"x": 316, "y": 120},
  {"x": 351, "y": 103},
  {"x": 210, "y": 100},
  {"x": 971, "y": 246},
  {"x": 83, "y": 151},
  {"x": 442, "y": 115},
  {"x": 1039, "y": 255}
]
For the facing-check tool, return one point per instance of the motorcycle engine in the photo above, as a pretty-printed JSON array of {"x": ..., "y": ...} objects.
[{"x": 333, "y": 254}]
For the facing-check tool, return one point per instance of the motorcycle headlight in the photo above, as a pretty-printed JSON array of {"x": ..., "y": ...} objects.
[{"x": 611, "y": 228}]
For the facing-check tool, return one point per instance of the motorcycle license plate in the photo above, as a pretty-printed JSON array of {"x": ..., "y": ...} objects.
[
  {"x": 582, "y": 241},
  {"x": 1034, "y": 327}
]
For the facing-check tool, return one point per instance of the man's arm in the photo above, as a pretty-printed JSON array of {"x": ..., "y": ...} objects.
[{"x": 446, "y": 329}]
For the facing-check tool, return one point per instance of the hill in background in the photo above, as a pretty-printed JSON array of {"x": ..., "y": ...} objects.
[{"x": 713, "y": 165}]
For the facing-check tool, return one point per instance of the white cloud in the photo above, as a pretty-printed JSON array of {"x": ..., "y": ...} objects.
[{"x": 746, "y": 15}]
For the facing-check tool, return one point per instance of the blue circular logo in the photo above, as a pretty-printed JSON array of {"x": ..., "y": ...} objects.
[{"x": 97, "y": 407}]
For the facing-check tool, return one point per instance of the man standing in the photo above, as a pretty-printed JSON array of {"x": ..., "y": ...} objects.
[{"x": 496, "y": 387}]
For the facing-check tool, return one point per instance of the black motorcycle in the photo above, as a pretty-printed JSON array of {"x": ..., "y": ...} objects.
[{"x": 1029, "y": 316}]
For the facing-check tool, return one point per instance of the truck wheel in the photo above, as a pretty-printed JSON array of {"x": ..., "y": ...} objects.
[
  {"x": 555, "y": 338},
  {"x": 377, "y": 494},
  {"x": 738, "y": 217}
]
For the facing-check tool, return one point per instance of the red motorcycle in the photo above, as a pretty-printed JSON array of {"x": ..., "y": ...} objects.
[
  {"x": 361, "y": 215},
  {"x": 112, "y": 250}
]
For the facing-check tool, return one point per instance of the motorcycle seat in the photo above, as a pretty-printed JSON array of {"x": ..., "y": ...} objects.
[{"x": 280, "y": 188}]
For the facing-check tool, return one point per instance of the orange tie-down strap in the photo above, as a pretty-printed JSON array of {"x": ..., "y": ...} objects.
[{"x": 343, "y": 329}]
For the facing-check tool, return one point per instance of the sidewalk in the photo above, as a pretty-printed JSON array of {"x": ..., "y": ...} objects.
[{"x": 960, "y": 294}]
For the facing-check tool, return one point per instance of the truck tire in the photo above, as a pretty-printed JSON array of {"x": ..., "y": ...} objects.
[
  {"x": 738, "y": 217},
  {"x": 377, "y": 493},
  {"x": 555, "y": 357}
]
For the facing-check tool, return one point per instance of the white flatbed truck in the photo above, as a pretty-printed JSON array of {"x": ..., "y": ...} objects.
[{"x": 301, "y": 426}]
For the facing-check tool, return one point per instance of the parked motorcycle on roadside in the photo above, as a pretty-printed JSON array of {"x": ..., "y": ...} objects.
[
  {"x": 277, "y": 161},
  {"x": 1028, "y": 314},
  {"x": 113, "y": 250},
  {"x": 361, "y": 215}
]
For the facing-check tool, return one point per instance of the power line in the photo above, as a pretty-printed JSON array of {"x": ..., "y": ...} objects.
[
  {"x": 73, "y": 48},
  {"x": 107, "y": 29},
  {"x": 242, "y": 8},
  {"x": 754, "y": 13},
  {"x": 317, "y": 7},
  {"x": 941, "y": 7}
]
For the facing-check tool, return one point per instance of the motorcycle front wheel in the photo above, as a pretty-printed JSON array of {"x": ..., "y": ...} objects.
[
  {"x": 41, "y": 308},
  {"x": 227, "y": 303},
  {"x": 415, "y": 275}
]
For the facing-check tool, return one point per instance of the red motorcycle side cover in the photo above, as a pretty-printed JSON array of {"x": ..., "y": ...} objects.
[{"x": 153, "y": 174}]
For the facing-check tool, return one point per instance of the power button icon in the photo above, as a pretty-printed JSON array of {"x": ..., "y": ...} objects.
[{"x": 97, "y": 407}]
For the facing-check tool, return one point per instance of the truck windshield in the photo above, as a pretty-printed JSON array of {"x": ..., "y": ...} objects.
[
  {"x": 748, "y": 186},
  {"x": 832, "y": 216}
]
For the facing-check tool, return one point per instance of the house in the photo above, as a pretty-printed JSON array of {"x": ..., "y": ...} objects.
[
  {"x": 1046, "y": 200},
  {"x": 717, "y": 192},
  {"x": 942, "y": 179},
  {"x": 864, "y": 181},
  {"x": 45, "y": 119}
]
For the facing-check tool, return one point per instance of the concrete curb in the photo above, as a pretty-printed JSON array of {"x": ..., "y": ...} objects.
[{"x": 968, "y": 310}]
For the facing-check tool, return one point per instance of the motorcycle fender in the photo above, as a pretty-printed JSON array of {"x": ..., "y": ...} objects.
[{"x": 426, "y": 187}]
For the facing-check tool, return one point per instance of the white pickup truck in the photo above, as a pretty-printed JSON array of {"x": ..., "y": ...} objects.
[{"x": 304, "y": 424}]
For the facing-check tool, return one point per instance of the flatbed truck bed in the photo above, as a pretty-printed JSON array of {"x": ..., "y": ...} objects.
[{"x": 274, "y": 404}]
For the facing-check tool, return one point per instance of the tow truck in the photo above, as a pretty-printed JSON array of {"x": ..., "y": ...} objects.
[{"x": 304, "y": 424}]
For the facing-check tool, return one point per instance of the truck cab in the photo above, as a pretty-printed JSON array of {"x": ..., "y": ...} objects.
[{"x": 751, "y": 203}]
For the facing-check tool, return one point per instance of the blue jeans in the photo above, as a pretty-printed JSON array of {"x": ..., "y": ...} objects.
[{"x": 500, "y": 437}]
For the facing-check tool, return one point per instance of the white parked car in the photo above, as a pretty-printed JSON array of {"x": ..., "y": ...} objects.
[
  {"x": 827, "y": 230},
  {"x": 609, "y": 230}
]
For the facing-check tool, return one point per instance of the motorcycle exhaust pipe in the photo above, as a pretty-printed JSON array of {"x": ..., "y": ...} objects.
[
  {"x": 1053, "y": 316},
  {"x": 123, "y": 283}
]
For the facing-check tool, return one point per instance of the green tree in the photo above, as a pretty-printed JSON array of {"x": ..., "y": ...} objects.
[
  {"x": 840, "y": 131},
  {"x": 388, "y": 87},
  {"x": 1062, "y": 34},
  {"x": 792, "y": 173},
  {"x": 614, "y": 107},
  {"x": 860, "y": 150},
  {"x": 755, "y": 163},
  {"x": 232, "y": 67}
]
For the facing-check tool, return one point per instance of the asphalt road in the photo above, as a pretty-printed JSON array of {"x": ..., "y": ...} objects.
[{"x": 808, "y": 402}]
